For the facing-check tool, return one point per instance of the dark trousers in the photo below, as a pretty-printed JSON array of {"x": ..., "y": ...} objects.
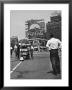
[
  {"x": 54, "y": 57},
  {"x": 18, "y": 53},
  {"x": 11, "y": 51},
  {"x": 32, "y": 54}
]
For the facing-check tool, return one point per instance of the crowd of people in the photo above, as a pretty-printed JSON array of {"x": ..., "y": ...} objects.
[{"x": 16, "y": 50}]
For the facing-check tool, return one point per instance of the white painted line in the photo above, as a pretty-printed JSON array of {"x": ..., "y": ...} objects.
[{"x": 15, "y": 67}]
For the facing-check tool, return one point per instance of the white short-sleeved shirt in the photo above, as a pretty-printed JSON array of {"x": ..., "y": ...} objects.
[{"x": 53, "y": 43}]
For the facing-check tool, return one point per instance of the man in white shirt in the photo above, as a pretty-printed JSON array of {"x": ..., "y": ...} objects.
[{"x": 54, "y": 44}]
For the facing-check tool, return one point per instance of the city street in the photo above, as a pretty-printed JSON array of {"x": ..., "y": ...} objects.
[{"x": 37, "y": 68}]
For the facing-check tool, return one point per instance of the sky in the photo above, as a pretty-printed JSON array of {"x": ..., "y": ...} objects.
[{"x": 18, "y": 18}]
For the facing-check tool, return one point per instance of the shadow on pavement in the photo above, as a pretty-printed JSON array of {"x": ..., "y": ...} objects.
[{"x": 58, "y": 76}]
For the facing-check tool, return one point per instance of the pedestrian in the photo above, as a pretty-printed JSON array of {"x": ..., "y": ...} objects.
[
  {"x": 11, "y": 50},
  {"x": 18, "y": 51},
  {"x": 31, "y": 51},
  {"x": 15, "y": 49},
  {"x": 53, "y": 45}
]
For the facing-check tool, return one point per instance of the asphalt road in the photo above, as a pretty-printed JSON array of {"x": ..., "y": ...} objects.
[{"x": 38, "y": 68}]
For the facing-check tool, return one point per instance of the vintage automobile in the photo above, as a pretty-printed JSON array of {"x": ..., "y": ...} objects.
[{"x": 24, "y": 51}]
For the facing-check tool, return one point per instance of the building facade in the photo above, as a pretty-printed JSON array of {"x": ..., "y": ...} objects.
[
  {"x": 36, "y": 35},
  {"x": 54, "y": 27}
]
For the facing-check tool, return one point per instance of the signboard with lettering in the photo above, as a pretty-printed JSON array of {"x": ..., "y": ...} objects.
[{"x": 35, "y": 33}]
